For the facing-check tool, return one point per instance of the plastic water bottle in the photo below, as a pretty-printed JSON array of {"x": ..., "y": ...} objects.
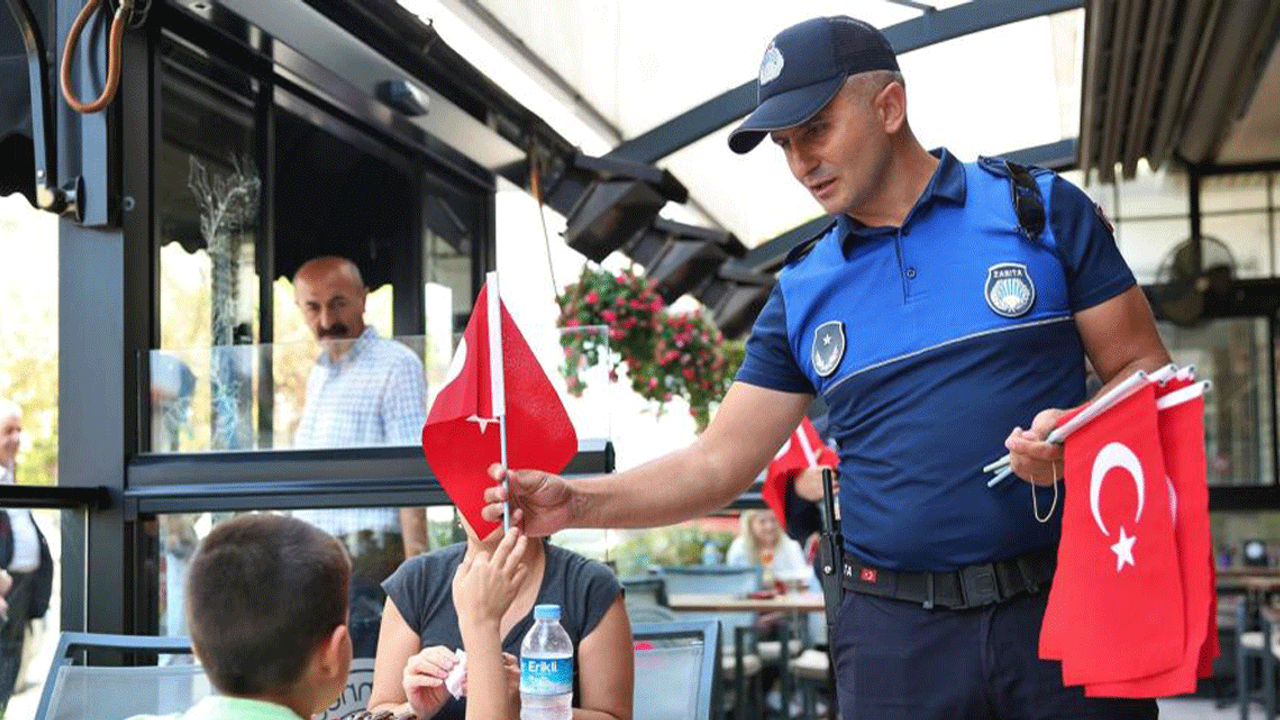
[
  {"x": 710, "y": 554},
  {"x": 546, "y": 668}
]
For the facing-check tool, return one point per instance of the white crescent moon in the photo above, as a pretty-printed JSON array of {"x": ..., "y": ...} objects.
[
  {"x": 1115, "y": 455},
  {"x": 458, "y": 362}
]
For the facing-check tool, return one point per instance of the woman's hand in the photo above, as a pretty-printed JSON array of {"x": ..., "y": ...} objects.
[
  {"x": 484, "y": 586},
  {"x": 424, "y": 676}
]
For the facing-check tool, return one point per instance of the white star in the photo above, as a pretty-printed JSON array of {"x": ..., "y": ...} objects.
[
  {"x": 1124, "y": 550},
  {"x": 826, "y": 339},
  {"x": 482, "y": 422}
]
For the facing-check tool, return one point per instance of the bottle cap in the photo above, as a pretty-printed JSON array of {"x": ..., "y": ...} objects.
[{"x": 546, "y": 612}]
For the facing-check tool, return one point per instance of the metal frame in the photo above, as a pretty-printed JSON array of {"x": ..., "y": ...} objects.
[
  {"x": 927, "y": 29},
  {"x": 74, "y": 642}
]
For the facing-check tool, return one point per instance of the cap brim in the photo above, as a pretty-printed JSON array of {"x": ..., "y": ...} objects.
[{"x": 782, "y": 111}]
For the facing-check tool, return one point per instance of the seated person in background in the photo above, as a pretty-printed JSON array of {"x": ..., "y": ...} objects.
[
  {"x": 760, "y": 542},
  {"x": 267, "y": 608},
  {"x": 420, "y": 629},
  {"x": 483, "y": 589},
  {"x": 363, "y": 390}
]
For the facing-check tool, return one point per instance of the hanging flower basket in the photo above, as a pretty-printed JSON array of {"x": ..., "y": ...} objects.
[{"x": 667, "y": 355}]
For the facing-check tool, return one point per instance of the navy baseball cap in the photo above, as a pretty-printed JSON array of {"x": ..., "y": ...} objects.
[{"x": 804, "y": 67}]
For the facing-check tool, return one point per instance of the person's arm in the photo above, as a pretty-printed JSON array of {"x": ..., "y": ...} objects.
[
  {"x": 1120, "y": 337},
  {"x": 401, "y": 668},
  {"x": 750, "y": 426},
  {"x": 413, "y": 530},
  {"x": 483, "y": 589},
  {"x": 403, "y": 415},
  {"x": 606, "y": 662}
]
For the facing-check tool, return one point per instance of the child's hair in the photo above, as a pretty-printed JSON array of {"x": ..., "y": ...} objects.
[{"x": 263, "y": 591}]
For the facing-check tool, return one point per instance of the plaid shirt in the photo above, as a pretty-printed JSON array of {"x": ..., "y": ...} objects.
[{"x": 375, "y": 394}]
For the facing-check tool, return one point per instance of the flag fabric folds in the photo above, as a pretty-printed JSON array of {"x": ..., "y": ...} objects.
[
  {"x": 1131, "y": 612},
  {"x": 461, "y": 437},
  {"x": 804, "y": 449}
]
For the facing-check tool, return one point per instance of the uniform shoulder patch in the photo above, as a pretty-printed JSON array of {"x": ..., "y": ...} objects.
[{"x": 799, "y": 251}]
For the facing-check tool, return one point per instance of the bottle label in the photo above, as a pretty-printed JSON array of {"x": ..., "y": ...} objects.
[{"x": 546, "y": 676}]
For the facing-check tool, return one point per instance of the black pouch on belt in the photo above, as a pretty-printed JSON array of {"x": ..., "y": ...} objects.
[{"x": 830, "y": 554}]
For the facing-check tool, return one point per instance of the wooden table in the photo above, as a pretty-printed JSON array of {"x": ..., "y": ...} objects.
[{"x": 806, "y": 602}]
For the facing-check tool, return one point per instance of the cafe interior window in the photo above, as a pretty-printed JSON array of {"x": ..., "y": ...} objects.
[{"x": 1235, "y": 355}]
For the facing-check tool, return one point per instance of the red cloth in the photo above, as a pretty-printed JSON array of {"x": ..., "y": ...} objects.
[
  {"x": 461, "y": 436},
  {"x": 1181, "y": 440},
  {"x": 1119, "y": 613},
  {"x": 804, "y": 449}
]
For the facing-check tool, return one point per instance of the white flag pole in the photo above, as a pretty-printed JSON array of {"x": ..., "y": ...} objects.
[{"x": 497, "y": 382}]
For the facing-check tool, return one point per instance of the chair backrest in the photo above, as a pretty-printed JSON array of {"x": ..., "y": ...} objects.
[
  {"x": 648, "y": 591},
  {"x": 668, "y": 656},
  {"x": 73, "y": 691},
  {"x": 726, "y": 579},
  {"x": 714, "y": 580}
]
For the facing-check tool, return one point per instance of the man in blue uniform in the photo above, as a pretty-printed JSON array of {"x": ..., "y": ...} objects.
[{"x": 937, "y": 319}]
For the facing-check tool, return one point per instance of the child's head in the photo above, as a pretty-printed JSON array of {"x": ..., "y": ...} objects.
[{"x": 267, "y": 609}]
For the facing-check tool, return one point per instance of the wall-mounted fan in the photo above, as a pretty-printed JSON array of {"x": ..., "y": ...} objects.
[{"x": 1182, "y": 283}]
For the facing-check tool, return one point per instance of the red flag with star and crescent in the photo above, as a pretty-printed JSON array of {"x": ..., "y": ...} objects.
[
  {"x": 804, "y": 449},
  {"x": 1118, "y": 577},
  {"x": 1181, "y": 416},
  {"x": 461, "y": 437}
]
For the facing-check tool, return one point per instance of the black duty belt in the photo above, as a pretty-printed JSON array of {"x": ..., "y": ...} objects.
[{"x": 969, "y": 587}]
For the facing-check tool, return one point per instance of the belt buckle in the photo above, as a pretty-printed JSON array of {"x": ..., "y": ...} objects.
[{"x": 979, "y": 585}]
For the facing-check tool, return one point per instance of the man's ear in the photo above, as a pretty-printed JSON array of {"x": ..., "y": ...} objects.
[{"x": 891, "y": 104}]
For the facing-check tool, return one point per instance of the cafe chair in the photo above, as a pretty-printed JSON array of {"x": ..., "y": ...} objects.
[
  {"x": 677, "y": 670},
  {"x": 646, "y": 600},
  {"x": 744, "y": 665},
  {"x": 77, "y": 688},
  {"x": 1257, "y": 649}
]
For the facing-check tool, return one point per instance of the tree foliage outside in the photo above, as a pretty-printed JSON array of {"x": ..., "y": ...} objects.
[{"x": 29, "y": 333}]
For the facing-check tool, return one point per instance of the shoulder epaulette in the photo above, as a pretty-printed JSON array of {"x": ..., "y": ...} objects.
[{"x": 799, "y": 251}]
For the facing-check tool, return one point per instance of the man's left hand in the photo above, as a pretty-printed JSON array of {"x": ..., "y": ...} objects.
[{"x": 1030, "y": 456}]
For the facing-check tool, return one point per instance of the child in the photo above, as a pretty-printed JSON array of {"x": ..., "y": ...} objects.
[
  {"x": 483, "y": 589},
  {"x": 267, "y": 608}
]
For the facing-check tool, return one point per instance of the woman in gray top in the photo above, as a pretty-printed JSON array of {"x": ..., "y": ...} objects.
[{"x": 420, "y": 635}]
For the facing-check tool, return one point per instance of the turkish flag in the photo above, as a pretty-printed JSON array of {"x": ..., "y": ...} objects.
[
  {"x": 461, "y": 438},
  {"x": 1120, "y": 614},
  {"x": 804, "y": 449},
  {"x": 1181, "y": 421}
]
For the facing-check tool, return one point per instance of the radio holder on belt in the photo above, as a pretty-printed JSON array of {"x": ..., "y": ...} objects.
[{"x": 830, "y": 556}]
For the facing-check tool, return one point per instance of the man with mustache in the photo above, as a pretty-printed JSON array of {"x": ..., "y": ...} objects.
[
  {"x": 946, "y": 307},
  {"x": 363, "y": 390}
]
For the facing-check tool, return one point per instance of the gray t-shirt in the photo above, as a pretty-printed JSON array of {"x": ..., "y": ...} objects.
[{"x": 422, "y": 590}]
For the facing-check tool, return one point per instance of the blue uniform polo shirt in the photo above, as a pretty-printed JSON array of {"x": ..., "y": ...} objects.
[{"x": 930, "y": 343}]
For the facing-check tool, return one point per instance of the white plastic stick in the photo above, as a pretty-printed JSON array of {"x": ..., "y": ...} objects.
[{"x": 497, "y": 382}]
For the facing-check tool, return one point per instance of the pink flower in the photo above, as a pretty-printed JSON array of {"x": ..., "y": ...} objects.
[
  {"x": 572, "y": 322},
  {"x": 619, "y": 300},
  {"x": 688, "y": 373},
  {"x": 609, "y": 315},
  {"x": 593, "y": 297},
  {"x": 616, "y": 334},
  {"x": 653, "y": 383},
  {"x": 629, "y": 323},
  {"x": 636, "y": 305}
]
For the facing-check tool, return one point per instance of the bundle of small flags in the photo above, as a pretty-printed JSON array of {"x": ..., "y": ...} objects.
[{"x": 1132, "y": 610}]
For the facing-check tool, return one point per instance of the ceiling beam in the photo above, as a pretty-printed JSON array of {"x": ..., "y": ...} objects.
[{"x": 927, "y": 29}]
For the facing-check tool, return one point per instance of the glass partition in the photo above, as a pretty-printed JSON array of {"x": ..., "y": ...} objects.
[
  {"x": 1235, "y": 354},
  {"x": 373, "y": 391}
]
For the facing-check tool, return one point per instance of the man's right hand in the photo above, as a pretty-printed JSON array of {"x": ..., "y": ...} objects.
[
  {"x": 540, "y": 502},
  {"x": 424, "y": 676}
]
